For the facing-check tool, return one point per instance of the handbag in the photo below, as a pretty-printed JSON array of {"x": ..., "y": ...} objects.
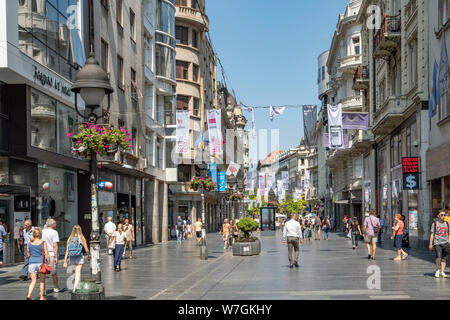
[
  {"x": 112, "y": 243},
  {"x": 45, "y": 268}
]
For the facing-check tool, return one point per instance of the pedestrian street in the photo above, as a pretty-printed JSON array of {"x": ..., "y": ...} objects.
[{"x": 328, "y": 270}]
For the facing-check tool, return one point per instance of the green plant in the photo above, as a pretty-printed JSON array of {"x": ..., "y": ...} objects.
[
  {"x": 247, "y": 225},
  {"x": 100, "y": 139},
  {"x": 208, "y": 184},
  {"x": 236, "y": 197}
]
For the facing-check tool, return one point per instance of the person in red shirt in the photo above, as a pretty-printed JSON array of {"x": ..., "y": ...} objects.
[{"x": 398, "y": 237}]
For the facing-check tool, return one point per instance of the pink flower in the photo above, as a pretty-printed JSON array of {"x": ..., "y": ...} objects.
[
  {"x": 70, "y": 134},
  {"x": 79, "y": 142},
  {"x": 130, "y": 146},
  {"x": 106, "y": 147}
]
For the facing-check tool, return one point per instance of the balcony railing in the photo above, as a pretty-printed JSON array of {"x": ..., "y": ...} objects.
[
  {"x": 361, "y": 78},
  {"x": 391, "y": 24}
]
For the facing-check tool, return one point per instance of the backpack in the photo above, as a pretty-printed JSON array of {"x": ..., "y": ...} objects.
[{"x": 75, "y": 249}]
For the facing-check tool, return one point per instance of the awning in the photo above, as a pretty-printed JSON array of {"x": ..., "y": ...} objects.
[{"x": 341, "y": 202}]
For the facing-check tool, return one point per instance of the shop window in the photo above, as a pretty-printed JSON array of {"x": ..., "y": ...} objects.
[
  {"x": 43, "y": 121},
  {"x": 67, "y": 122}
]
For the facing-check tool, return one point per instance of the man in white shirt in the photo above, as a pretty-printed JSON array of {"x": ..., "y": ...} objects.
[
  {"x": 109, "y": 229},
  {"x": 293, "y": 232},
  {"x": 51, "y": 238}
]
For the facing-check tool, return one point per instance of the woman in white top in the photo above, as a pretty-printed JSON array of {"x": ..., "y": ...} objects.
[
  {"x": 76, "y": 242},
  {"x": 120, "y": 238}
]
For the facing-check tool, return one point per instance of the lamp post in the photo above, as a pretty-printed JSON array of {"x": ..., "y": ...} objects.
[
  {"x": 241, "y": 188},
  {"x": 92, "y": 84},
  {"x": 203, "y": 248}
]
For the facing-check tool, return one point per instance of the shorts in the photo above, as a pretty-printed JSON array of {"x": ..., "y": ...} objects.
[
  {"x": 52, "y": 264},
  {"x": 370, "y": 239},
  {"x": 398, "y": 241},
  {"x": 199, "y": 234},
  {"x": 441, "y": 251},
  {"x": 316, "y": 228},
  {"x": 34, "y": 268},
  {"x": 73, "y": 261}
]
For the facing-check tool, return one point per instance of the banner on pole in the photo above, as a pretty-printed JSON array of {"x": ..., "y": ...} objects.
[
  {"x": 215, "y": 131},
  {"x": 309, "y": 125},
  {"x": 182, "y": 131},
  {"x": 355, "y": 121}
]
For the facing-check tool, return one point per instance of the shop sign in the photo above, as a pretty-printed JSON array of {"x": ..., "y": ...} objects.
[
  {"x": 410, "y": 168},
  {"x": 222, "y": 182},
  {"x": 22, "y": 203},
  {"x": 47, "y": 80}
]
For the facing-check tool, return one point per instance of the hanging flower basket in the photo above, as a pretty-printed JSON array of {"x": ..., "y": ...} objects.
[
  {"x": 236, "y": 197},
  {"x": 196, "y": 183},
  {"x": 102, "y": 139}
]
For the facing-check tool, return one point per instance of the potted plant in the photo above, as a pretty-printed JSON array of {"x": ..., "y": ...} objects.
[
  {"x": 195, "y": 183},
  {"x": 247, "y": 245},
  {"x": 236, "y": 197}
]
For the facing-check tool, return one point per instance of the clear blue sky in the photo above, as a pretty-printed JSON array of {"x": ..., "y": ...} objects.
[{"x": 269, "y": 49}]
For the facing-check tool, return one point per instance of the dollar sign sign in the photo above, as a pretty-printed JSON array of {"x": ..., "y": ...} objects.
[{"x": 411, "y": 182}]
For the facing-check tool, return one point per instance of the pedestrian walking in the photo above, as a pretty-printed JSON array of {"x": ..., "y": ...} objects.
[
  {"x": 74, "y": 251},
  {"x": 370, "y": 230},
  {"x": 129, "y": 231},
  {"x": 3, "y": 236},
  {"x": 292, "y": 232},
  {"x": 316, "y": 227},
  {"x": 173, "y": 232},
  {"x": 308, "y": 232},
  {"x": 226, "y": 232},
  {"x": 198, "y": 230},
  {"x": 333, "y": 223},
  {"x": 440, "y": 243},
  {"x": 326, "y": 226},
  {"x": 355, "y": 230},
  {"x": 398, "y": 237},
  {"x": 37, "y": 256},
  {"x": 27, "y": 235},
  {"x": 381, "y": 228},
  {"x": 51, "y": 238},
  {"x": 235, "y": 231},
  {"x": 179, "y": 227},
  {"x": 188, "y": 230},
  {"x": 109, "y": 229},
  {"x": 119, "y": 237}
]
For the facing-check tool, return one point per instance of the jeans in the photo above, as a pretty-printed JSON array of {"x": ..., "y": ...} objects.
[
  {"x": 355, "y": 237},
  {"x": 179, "y": 236},
  {"x": 293, "y": 245},
  {"x": 326, "y": 231},
  {"x": 118, "y": 254},
  {"x": 25, "y": 263}
]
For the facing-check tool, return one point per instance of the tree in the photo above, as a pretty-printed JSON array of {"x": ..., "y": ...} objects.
[{"x": 292, "y": 206}]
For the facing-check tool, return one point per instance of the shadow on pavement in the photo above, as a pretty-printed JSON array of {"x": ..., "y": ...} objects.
[{"x": 120, "y": 298}]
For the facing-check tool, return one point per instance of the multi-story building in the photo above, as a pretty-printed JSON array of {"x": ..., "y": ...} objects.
[
  {"x": 396, "y": 53},
  {"x": 438, "y": 156},
  {"x": 345, "y": 164}
]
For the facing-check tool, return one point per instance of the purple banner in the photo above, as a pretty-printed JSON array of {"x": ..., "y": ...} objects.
[
  {"x": 326, "y": 141},
  {"x": 355, "y": 121}
]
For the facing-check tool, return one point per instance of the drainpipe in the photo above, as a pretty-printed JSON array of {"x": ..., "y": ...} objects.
[{"x": 374, "y": 110}]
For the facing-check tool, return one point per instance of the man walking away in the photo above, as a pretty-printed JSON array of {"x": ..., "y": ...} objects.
[
  {"x": 198, "y": 230},
  {"x": 27, "y": 233},
  {"x": 317, "y": 225},
  {"x": 51, "y": 238},
  {"x": 371, "y": 229},
  {"x": 293, "y": 232},
  {"x": 109, "y": 229},
  {"x": 129, "y": 232},
  {"x": 179, "y": 227},
  {"x": 440, "y": 243}
]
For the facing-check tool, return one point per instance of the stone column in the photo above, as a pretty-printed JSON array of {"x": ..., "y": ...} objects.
[
  {"x": 194, "y": 211},
  {"x": 165, "y": 216},
  {"x": 155, "y": 222}
]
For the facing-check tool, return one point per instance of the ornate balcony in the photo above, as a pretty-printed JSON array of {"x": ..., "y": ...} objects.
[
  {"x": 349, "y": 64},
  {"x": 352, "y": 103},
  {"x": 361, "y": 78},
  {"x": 360, "y": 141},
  {"x": 388, "y": 38},
  {"x": 194, "y": 16},
  {"x": 389, "y": 115}
]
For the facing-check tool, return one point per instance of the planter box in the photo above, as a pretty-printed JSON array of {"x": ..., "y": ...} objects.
[{"x": 247, "y": 248}]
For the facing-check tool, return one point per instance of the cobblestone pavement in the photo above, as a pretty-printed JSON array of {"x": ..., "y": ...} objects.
[{"x": 328, "y": 270}]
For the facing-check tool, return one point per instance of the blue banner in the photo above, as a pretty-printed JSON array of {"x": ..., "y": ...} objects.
[
  {"x": 212, "y": 171},
  {"x": 222, "y": 182}
]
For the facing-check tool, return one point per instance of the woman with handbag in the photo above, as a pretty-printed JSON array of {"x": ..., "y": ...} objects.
[
  {"x": 398, "y": 237},
  {"x": 355, "y": 230},
  {"x": 74, "y": 250},
  {"x": 119, "y": 237},
  {"x": 39, "y": 260}
]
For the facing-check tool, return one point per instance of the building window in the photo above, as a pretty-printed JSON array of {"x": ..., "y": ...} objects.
[
  {"x": 184, "y": 173},
  {"x": 194, "y": 4},
  {"x": 396, "y": 151},
  {"x": 181, "y": 35},
  {"x": 121, "y": 123},
  {"x": 444, "y": 106},
  {"x": 323, "y": 73},
  {"x": 169, "y": 118},
  {"x": 194, "y": 39},
  {"x": 119, "y": 13},
  {"x": 356, "y": 45},
  {"x": 165, "y": 62},
  {"x": 195, "y": 70},
  {"x": 358, "y": 169},
  {"x": 182, "y": 70},
  {"x": 170, "y": 146},
  {"x": 413, "y": 74},
  {"x": 105, "y": 56},
  {"x": 182, "y": 3},
  {"x": 159, "y": 153},
  {"x": 134, "y": 142},
  {"x": 43, "y": 121},
  {"x": 120, "y": 73},
  {"x": 149, "y": 147},
  {"x": 183, "y": 102},
  {"x": 196, "y": 108},
  {"x": 132, "y": 25},
  {"x": 134, "y": 94}
]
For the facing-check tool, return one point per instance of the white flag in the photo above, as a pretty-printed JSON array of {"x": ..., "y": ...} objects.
[
  {"x": 271, "y": 180},
  {"x": 214, "y": 118},
  {"x": 262, "y": 183},
  {"x": 335, "y": 132},
  {"x": 276, "y": 111},
  {"x": 249, "y": 109},
  {"x": 443, "y": 69},
  {"x": 233, "y": 169},
  {"x": 182, "y": 131}
]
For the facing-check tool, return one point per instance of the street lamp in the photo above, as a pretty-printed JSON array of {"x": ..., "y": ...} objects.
[
  {"x": 241, "y": 188},
  {"x": 92, "y": 83}
]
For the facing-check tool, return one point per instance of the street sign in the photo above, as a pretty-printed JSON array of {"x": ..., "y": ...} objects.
[{"x": 410, "y": 168}]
